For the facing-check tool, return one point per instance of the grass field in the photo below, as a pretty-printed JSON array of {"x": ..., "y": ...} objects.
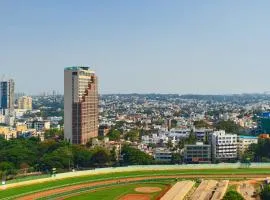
[
  {"x": 10, "y": 193},
  {"x": 114, "y": 193}
]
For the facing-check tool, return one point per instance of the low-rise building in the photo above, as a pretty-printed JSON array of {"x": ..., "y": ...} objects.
[
  {"x": 244, "y": 142},
  {"x": 202, "y": 134},
  {"x": 7, "y": 132},
  {"x": 179, "y": 133},
  {"x": 162, "y": 155},
  {"x": 197, "y": 153},
  {"x": 39, "y": 125},
  {"x": 21, "y": 127}
]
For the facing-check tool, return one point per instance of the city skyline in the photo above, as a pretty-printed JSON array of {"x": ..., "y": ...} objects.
[{"x": 138, "y": 47}]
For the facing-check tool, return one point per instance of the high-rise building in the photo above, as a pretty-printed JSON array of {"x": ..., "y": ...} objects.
[
  {"x": 7, "y": 96},
  {"x": 25, "y": 102},
  {"x": 81, "y": 105}
]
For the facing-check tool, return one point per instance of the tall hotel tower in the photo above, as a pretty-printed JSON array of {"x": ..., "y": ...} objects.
[{"x": 81, "y": 105}]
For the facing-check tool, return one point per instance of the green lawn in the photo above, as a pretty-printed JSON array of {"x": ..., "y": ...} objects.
[
  {"x": 10, "y": 193},
  {"x": 114, "y": 193}
]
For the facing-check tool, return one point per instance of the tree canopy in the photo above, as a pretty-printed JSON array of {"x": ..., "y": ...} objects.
[
  {"x": 228, "y": 126},
  {"x": 33, "y": 155},
  {"x": 114, "y": 135},
  {"x": 265, "y": 194},
  {"x": 132, "y": 156}
]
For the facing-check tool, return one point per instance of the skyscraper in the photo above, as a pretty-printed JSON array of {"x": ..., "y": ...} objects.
[
  {"x": 81, "y": 104},
  {"x": 7, "y": 96}
]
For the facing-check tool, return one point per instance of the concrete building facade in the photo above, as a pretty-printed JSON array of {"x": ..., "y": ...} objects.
[
  {"x": 81, "y": 105},
  {"x": 39, "y": 125},
  {"x": 162, "y": 155},
  {"x": 197, "y": 153},
  {"x": 224, "y": 146}
]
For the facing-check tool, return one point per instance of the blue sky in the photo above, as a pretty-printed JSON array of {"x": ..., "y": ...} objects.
[{"x": 181, "y": 46}]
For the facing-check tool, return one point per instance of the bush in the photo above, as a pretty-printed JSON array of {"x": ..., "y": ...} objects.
[
  {"x": 233, "y": 195},
  {"x": 265, "y": 194}
]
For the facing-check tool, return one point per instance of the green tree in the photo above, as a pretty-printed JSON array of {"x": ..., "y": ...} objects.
[
  {"x": 7, "y": 168},
  {"x": 228, "y": 126},
  {"x": 132, "y": 135},
  {"x": 173, "y": 123},
  {"x": 176, "y": 158},
  {"x": 191, "y": 138},
  {"x": 61, "y": 158},
  {"x": 101, "y": 157},
  {"x": 114, "y": 135},
  {"x": 265, "y": 194},
  {"x": 54, "y": 134},
  {"x": 82, "y": 156},
  {"x": 132, "y": 156},
  {"x": 201, "y": 124}
]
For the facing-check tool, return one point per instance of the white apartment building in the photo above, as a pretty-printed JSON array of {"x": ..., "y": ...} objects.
[{"x": 224, "y": 146}]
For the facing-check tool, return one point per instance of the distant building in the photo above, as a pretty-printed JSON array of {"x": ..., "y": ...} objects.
[
  {"x": 7, "y": 132},
  {"x": 25, "y": 103},
  {"x": 162, "y": 155},
  {"x": 39, "y": 125},
  {"x": 202, "y": 134},
  {"x": 244, "y": 142},
  {"x": 21, "y": 127},
  {"x": 81, "y": 105},
  {"x": 264, "y": 123},
  {"x": 224, "y": 146},
  {"x": 264, "y": 136},
  {"x": 179, "y": 133},
  {"x": 197, "y": 153},
  {"x": 7, "y": 96}
]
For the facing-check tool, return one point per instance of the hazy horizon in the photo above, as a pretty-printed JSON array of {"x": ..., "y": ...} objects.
[{"x": 174, "y": 47}]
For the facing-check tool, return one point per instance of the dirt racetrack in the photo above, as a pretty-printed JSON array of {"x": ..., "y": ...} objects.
[
  {"x": 99, "y": 183},
  {"x": 148, "y": 189},
  {"x": 135, "y": 197}
]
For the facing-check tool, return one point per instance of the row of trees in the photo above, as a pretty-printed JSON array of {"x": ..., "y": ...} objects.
[
  {"x": 116, "y": 135},
  {"x": 28, "y": 155}
]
